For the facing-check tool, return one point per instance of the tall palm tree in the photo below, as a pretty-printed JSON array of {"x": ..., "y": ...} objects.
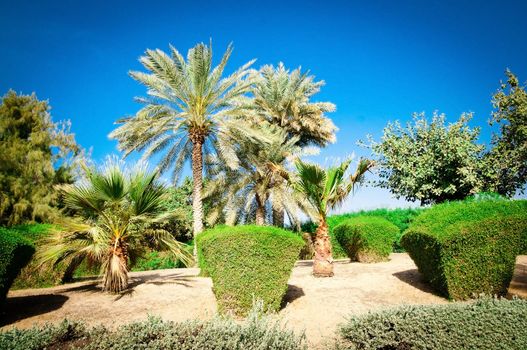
[
  {"x": 118, "y": 216},
  {"x": 248, "y": 192},
  {"x": 283, "y": 98},
  {"x": 189, "y": 111},
  {"x": 325, "y": 189}
]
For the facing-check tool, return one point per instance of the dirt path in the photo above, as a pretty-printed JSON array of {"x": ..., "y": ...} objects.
[{"x": 314, "y": 305}]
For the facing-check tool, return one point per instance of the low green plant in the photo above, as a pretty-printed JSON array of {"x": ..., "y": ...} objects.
[
  {"x": 247, "y": 262},
  {"x": 467, "y": 248},
  {"x": 489, "y": 324},
  {"x": 366, "y": 238},
  {"x": 15, "y": 253},
  {"x": 257, "y": 332}
]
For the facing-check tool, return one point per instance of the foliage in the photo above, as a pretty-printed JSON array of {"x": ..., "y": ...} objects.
[
  {"x": 283, "y": 98},
  {"x": 508, "y": 156},
  {"x": 118, "y": 213},
  {"x": 158, "y": 260},
  {"x": 467, "y": 248},
  {"x": 367, "y": 238},
  {"x": 248, "y": 193},
  {"x": 429, "y": 161},
  {"x": 35, "y": 154},
  {"x": 259, "y": 331},
  {"x": 248, "y": 262},
  {"x": 15, "y": 253},
  {"x": 189, "y": 111},
  {"x": 33, "y": 275},
  {"x": 483, "y": 324},
  {"x": 399, "y": 217},
  {"x": 179, "y": 202}
]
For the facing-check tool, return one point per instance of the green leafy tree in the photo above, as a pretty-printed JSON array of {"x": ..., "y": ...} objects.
[
  {"x": 325, "y": 189},
  {"x": 35, "y": 155},
  {"x": 284, "y": 98},
  {"x": 118, "y": 217},
  {"x": 507, "y": 160},
  {"x": 429, "y": 161},
  {"x": 190, "y": 110}
]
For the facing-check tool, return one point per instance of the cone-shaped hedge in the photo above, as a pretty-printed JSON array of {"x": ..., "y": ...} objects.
[
  {"x": 467, "y": 248},
  {"x": 248, "y": 263}
]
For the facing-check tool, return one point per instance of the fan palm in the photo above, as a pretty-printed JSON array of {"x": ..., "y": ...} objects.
[
  {"x": 118, "y": 217},
  {"x": 325, "y": 189},
  {"x": 189, "y": 111},
  {"x": 246, "y": 193},
  {"x": 283, "y": 98}
]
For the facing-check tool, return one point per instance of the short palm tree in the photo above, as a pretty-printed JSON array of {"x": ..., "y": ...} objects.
[
  {"x": 325, "y": 189},
  {"x": 118, "y": 216},
  {"x": 189, "y": 112}
]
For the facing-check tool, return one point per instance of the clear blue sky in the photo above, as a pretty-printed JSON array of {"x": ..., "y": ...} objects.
[{"x": 381, "y": 60}]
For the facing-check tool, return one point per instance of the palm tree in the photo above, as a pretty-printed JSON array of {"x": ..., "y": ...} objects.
[
  {"x": 189, "y": 111},
  {"x": 325, "y": 189},
  {"x": 283, "y": 98},
  {"x": 246, "y": 193},
  {"x": 118, "y": 217}
]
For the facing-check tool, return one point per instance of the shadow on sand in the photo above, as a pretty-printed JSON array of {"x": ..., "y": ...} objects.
[
  {"x": 19, "y": 308},
  {"x": 293, "y": 293},
  {"x": 414, "y": 278}
]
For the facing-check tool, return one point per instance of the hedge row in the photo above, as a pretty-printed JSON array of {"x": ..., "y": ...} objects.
[
  {"x": 366, "y": 238},
  {"x": 15, "y": 253},
  {"x": 219, "y": 333},
  {"x": 467, "y": 248},
  {"x": 399, "y": 217},
  {"x": 484, "y": 324},
  {"x": 248, "y": 262}
]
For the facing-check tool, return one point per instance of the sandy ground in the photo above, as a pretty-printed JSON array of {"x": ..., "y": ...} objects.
[{"x": 312, "y": 304}]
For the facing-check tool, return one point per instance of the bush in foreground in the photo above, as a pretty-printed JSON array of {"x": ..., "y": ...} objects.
[
  {"x": 366, "y": 238},
  {"x": 483, "y": 324},
  {"x": 247, "y": 262},
  {"x": 257, "y": 332},
  {"x": 468, "y": 248},
  {"x": 15, "y": 253}
]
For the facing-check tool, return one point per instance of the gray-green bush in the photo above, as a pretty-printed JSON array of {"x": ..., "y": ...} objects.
[
  {"x": 488, "y": 324},
  {"x": 257, "y": 332}
]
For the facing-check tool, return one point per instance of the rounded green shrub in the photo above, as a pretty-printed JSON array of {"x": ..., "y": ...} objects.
[
  {"x": 489, "y": 324},
  {"x": 15, "y": 253},
  {"x": 248, "y": 263},
  {"x": 366, "y": 238},
  {"x": 467, "y": 248}
]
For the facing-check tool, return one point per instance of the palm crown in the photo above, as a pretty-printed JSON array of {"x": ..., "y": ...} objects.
[
  {"x": 189, "y": 111},
  {"x": 117, "y": 217}
]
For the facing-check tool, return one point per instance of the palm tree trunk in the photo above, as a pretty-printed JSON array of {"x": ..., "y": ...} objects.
[
  {"x": 260, "y": 212},
  {"x": 116, "y": 276},
  {"x": 323, "y": 262},
  {"x": 278, "y": 217},
  {"x": 197, "y": 177},
  {"x": 70, "y": 270}
]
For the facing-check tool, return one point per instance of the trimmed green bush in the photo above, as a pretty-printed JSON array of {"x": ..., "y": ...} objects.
[
  {"x": 247, "y": 262},
  {"x": 484, "y": 324},
  {"x": 257, "y": 332},
  {"x": 15, "y": 253},
  {"x": 467, "y": 248},
  {"x": 399, "y": 217},
  {"x": 366, "y": 238}
]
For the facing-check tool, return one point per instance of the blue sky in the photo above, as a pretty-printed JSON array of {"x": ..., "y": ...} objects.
[{"x": 381, "y": 60}]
